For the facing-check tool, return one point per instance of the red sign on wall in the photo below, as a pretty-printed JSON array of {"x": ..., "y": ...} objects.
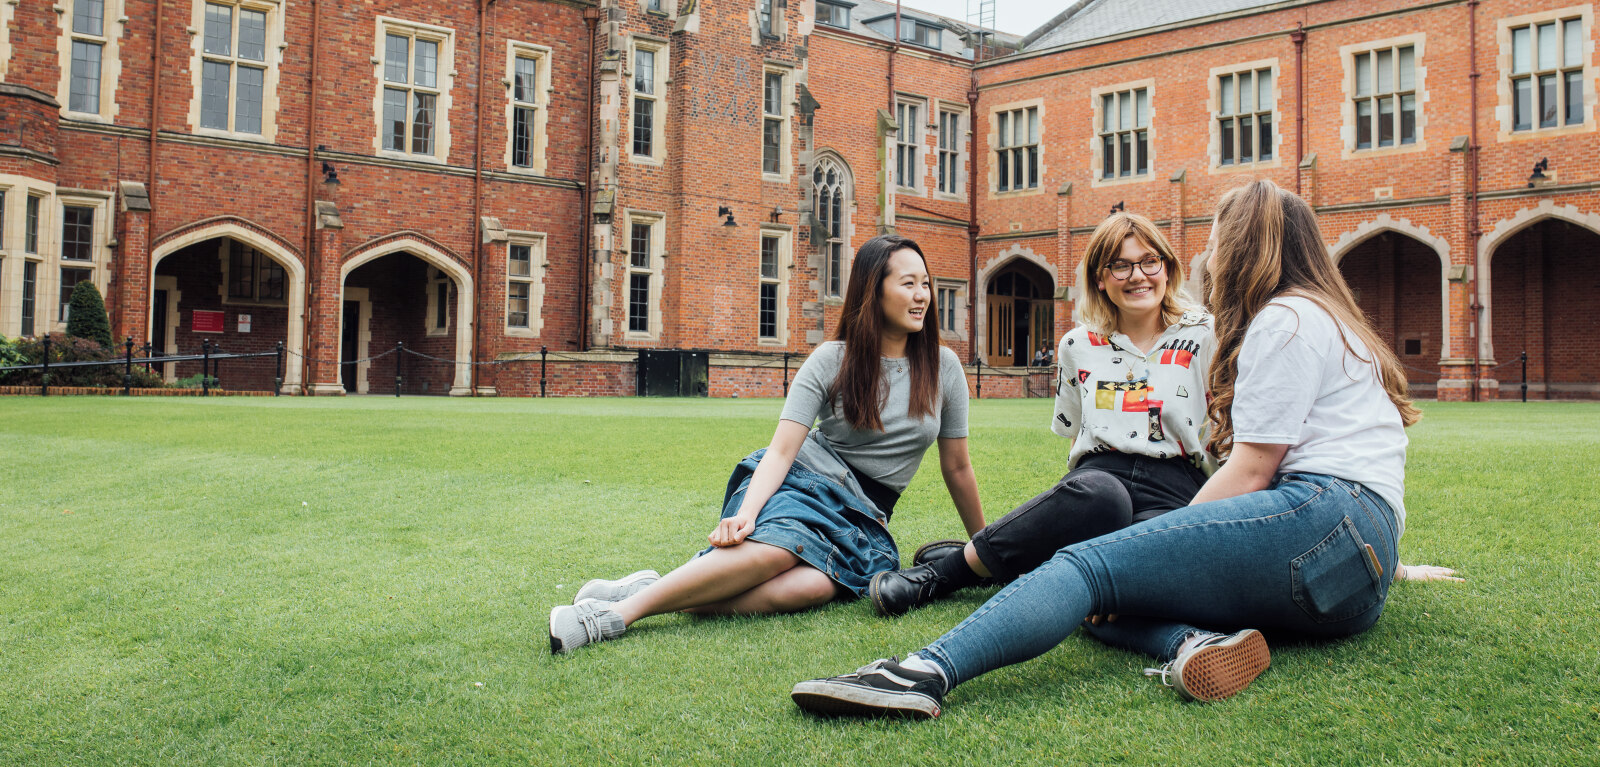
[{"x": 206, "y": 321}]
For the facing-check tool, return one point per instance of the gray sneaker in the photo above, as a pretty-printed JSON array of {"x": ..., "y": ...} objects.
[
  {"x": 588, "y": 621},
  {"x": 617, "y": 590}
]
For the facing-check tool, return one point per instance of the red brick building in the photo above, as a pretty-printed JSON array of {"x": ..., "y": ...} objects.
[{"x": 477, "y": 182}]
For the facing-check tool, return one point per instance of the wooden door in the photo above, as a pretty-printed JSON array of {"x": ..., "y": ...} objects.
[{"x": 1002, "y": 332}]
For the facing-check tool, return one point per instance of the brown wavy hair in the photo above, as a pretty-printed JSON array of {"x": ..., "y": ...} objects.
[
  {"x": 1269, "y": 245},
  {"x": 1095, "y": 309},
  {"x": 860, "y": 384}
]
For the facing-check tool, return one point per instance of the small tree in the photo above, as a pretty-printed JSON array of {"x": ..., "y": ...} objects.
[{"x": 86, "y": 317}]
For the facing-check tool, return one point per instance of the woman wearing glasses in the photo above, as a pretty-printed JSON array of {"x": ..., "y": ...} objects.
[
  {"x": 1298, "y": 531},
  {"x": 1132, "y": 398}
]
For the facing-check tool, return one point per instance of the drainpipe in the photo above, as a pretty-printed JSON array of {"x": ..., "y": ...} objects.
[
  {"x": 477, "y": 209},
  {"x": 591, "y": 18},
  {"x": 893, "y": 47},
  {"x": 155, "y": 110},
  {"x": 972, "y": 206},
  {"x": 308, "y": 313},
  {"x": 1298, "y": 37},
  {"x": 1473, "y": 232}
]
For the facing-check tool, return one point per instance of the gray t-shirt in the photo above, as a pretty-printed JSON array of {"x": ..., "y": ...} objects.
[{"x": 890, "y": 456}]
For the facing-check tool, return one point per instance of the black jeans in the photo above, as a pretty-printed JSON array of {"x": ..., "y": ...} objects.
[{"x": 1104, "y": 493}]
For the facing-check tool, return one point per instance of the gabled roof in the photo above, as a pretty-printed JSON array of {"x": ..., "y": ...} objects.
[
  {"x": 1091, "y": 19},
  {"x": 952, "y": 43}
]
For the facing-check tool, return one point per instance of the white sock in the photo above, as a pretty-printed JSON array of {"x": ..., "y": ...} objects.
[{"x": 916, "y": 662}]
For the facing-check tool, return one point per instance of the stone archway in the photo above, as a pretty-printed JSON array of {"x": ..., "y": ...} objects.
[
  {"x": 1541, "y": 277},
  {"x": 1504, "y": 230},
  {"x": 446, "y": 264},
  {"x": 247, "y": 235},
  {"x": 1384, "y": 223},
  {"x": 995, "y": 344}
]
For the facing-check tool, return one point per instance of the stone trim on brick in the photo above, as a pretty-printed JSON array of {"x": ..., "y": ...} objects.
[
  {"x": 1214, "y": 107},
  {"x": 1096, "y": 162},
  {"x": 541, "y": 117},
  {"x": 115, "y": 20},
  {"x": 444, "y": 84},
  {"x": 8, "y": 12},
  {"x": 1347, "y": 107},
  {"x": 980, "y": 304},
  {"x": 443, "y": 260},
  {"x": 276, "y": 44},
  {"x": 1504, "y": 119}
]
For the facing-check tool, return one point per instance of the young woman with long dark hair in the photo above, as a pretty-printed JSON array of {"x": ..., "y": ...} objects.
[
  {"x": 805, "y": 520},
  {"x": 1296, "y": 532}
]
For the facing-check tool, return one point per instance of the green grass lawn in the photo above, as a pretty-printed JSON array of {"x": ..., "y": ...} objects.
[{"x": 367, "y": 581}]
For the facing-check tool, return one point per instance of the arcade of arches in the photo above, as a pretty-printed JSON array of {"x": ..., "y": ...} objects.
[
  {"x": 1395, "y": 279},
  {"x": 229, "y": 293}
]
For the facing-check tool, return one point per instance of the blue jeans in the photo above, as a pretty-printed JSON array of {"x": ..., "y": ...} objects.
[{"x": 1312, "y": 554}]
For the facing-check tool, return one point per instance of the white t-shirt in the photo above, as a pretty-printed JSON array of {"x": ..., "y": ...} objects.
[
  {"x": 1299, "y": 386},
  {"x": 1113, "y": 397}
]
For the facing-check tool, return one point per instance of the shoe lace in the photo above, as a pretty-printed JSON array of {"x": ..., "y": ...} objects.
[
  {"x": 1164, "y": 672},
  {"x": 590, "y": 621}
]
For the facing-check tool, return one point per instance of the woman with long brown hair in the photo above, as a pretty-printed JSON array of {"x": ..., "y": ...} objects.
[
  {"x": 805, "y": 520},
  {"x": 1297, "y": 531}
]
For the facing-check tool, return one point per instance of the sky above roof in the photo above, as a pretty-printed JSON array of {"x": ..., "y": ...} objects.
[{"x": 1017, "y": 17}]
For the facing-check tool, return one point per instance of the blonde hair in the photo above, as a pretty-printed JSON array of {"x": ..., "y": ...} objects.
[
  {"x": 1269, "y": 245},
  {"x": 1095, "y": 309}
]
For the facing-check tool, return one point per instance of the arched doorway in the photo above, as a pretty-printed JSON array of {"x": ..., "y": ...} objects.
[
  {"x": 1396, "y": 281},
  {"x": 405, "y": 291},
  {"x": 1542, "y": 284},
  {"x": 1021, "y": 314},
  {"x": 237, "y": 288}
]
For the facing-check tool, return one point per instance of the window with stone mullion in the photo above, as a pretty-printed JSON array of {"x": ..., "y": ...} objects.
[
  {"x": 768, "y": 305},
  {"x": 233, "y": 68},
  {"x": 772, "y": 125},
  {"x": 906, "y": 141},
  {"x": 1547, "y": 74},
  {"x": 639, "y": 242},
  {"x": 77, "y": 233},
  {"x": 1386, "y": 97},
  {"x": 831, "y": 207},
  {"x": 1017, "y": 149},
  {"x": 1124, "y": 133},
  {"x": 949, "y": 150},
  {"x": 410, "y": 93},
  {"x": 1244, "y": 112}
]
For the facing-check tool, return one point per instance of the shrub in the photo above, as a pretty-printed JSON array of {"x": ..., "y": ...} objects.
[
  {"x": 67, "y": 349},
  {"x": 86, "y": 315}
]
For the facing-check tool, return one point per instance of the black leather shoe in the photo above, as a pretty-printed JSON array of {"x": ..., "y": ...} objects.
[
  {"x": 896, "y": 592},
  {"x": 929, "y": 553}
]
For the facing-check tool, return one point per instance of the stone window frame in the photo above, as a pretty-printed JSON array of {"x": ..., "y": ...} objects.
[
  {"x": 1214, "y": 106},
  {"x": 8, "y": 10},
  {"x": 275, "y": 45},
  {"x": 114, "y": 23},
  {"x": 1347, "y": 107},
  {"x": 785, "y": 116},
  {"x": 445, "y": 85},
  {"x": 1503, "y": 93},
  {"x": 658, "y": 113},
  {"x": 846, "y": 221},
  {"x": 535, "y": 242},
  {"x": 993, "y": 181},
  {"x": 957, "y": 331},
  {"x": 435, "y": 277},
  {"x": 785, "y": 265},
  {"x": 542, "y": 88},
  {"x": 915, "y": 144},
  {"x": 99, "y": 264},
  {"x": 14, "y": 256},
  {"x": 777, "y": 26},
  {"x": 225, "y": 257},
  {"x": 958, "y": 153},
  {"x": 1096, "y": 134},
  {"x": 655, "y": 269}
]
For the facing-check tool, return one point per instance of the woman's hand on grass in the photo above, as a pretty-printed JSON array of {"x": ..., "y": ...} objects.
[
  {"x": 1427, "y": 573},
  {"x": 731, "y": 531}
]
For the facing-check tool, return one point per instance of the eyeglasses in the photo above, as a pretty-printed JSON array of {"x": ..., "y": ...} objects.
[{"x": 1122, "y": 270}]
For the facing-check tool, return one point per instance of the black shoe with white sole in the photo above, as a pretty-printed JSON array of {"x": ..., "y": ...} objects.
[{"x": 880, "y": 688}]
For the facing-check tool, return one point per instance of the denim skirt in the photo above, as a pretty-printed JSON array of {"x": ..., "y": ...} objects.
[{"x": 820, "y": 521}]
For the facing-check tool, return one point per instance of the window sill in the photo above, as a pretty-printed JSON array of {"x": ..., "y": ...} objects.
[
  {"x": 511, "y": 332},
  {"x": 92, "y": 117},
  {"x": 775, "y": 178},
  {"x": 537, "y": 170},
  {"x": 833, "y": 301},
  {"x": 1587, "y": 126},
  {"x": 999, "y": 195},
  {"x": 1142, "y": 178},
  {"x": 1353, "y": 153},
  {"x": 776, "y": 342},
  {"x": 909, "y": 191},
  {"x": 394, "y": 155},
  {"x": 635, "y": 335},
  {"x": 949, "y": 197},
  {"x": 1247, "y": 167},
  {"x": 253, "y": 138},
  {"x": 640, "y": 159},
  {"x": 438, "y": 332}
]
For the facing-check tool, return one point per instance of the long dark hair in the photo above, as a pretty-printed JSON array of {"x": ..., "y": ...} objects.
[
  {"x": 860, "y": 383},
  {"x": 1269, "y": 245}
]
